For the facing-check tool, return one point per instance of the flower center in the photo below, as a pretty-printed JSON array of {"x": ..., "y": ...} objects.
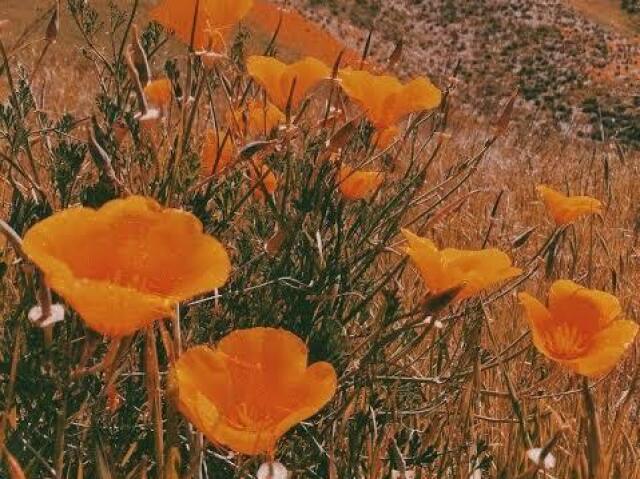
[{"x": 566, "y": 341}]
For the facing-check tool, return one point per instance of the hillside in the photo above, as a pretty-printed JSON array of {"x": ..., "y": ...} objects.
[
  {"x": 577, "y": 63},
  {"x": 578, "y": 60}
]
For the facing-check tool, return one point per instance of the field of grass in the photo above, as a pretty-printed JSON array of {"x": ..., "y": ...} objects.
[{"x": 429, "y": 384}]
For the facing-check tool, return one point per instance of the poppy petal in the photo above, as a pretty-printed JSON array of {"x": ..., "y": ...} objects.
[
  {"x": 357, "y": 185},
  {"x": 587, "y": 310},
  {"x": 540, "y": 321},
  {"x": 606, "y": 349}
]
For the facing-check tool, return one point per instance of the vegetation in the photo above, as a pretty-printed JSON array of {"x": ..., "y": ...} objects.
[{"x": 281, "y": 212}]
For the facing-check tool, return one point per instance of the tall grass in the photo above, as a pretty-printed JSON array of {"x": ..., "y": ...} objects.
[{"x": 425, "y": 387}]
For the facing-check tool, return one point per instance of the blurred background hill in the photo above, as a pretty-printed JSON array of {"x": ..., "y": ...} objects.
[{"x": 576, "y": 63}]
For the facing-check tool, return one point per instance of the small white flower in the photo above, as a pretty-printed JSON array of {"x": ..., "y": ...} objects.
[
  {"x": 36, "y": 317},
  {"x": 272, "y": 470},
  {"x": 549, "y": 459},
  {"x": 407, "y": 475},
  {"x": 438, "y": 324}
]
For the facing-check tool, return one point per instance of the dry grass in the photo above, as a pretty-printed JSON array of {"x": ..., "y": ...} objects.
[
  {"x": 438, "y": 400},
  {"x": 608, "y": 13}
]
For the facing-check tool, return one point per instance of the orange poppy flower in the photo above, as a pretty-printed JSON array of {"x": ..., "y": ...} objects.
[
  {"x": 260, "y": 172},
  {"x": 258, "y": 120},
  {"x": 158, "y": 92},
  {"x": 582, "y": 328},
  {"x": 472, "y": 271},
  {"x": 252, "y": 388},
  {"x": 215, "y": 20},
  {"x": 358, "y": 184},
  {"x": 384, "y": 138},
  {"x": 211, "y": 155},
  {"x": 384, "y": 99},
  {"x": 277, "y": 78},
  {"x": 298, "y": 34},
  {"x": 127, "y": 264},
  {"x": 567, "y": 209}
]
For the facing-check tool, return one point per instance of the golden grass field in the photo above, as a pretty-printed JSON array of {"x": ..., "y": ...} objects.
[{"x": 427, "y": 387}]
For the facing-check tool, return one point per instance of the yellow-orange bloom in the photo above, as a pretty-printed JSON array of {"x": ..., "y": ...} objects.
[
  {"x": 358, "y": 184},
  {"x": 567, "y": 209},
  {"x": 215, "y": 19},
  {"x": 298, "y": 34},
  {"x": 218, "y": 151},
  {"x": 277, "y": 78},
  {"x": 158, "y": 92},
  {"x": 472, "y": 271},
  {"x": 385, "y": 99},
  {"x": 127, "y": 264},
  {"x": 258, "y": 120},
  {"x": 384, "y": 138},
  {"x": 582, "y": 329},
  {"x": 262, "y": 179},
  {"x": 250, "y": 390}
]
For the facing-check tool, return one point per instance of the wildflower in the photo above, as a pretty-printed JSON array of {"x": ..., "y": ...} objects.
[
  {"x": 384, "y": 99},
  {"x": 127, "y": 264},
  {"x": 258, "y": 120},
  {"x": 447, "y": 269},
  {"x": 278, "y": 78},
  {"x": 251, "y": 389},
  {"x": 262, "y": 179},
  {"x": 298, "y": 34},
  {"x": 358, "y": 184},
  {"x": 158, "y": 93},
  {"x": 272, "y": 470},
  {"x": 399, "y": 475},
  {"x": 218, "y": 151},
  {"x": 383, "y": 138},
  {"x": 567, "y": 209},
  {"x": 582, "y": 328},
  {"x": 215, "y": 20},
  {"x": 549, "y": 461}
]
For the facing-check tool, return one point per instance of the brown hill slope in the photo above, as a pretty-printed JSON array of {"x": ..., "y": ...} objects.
[{"x": 578, "y": 60}]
